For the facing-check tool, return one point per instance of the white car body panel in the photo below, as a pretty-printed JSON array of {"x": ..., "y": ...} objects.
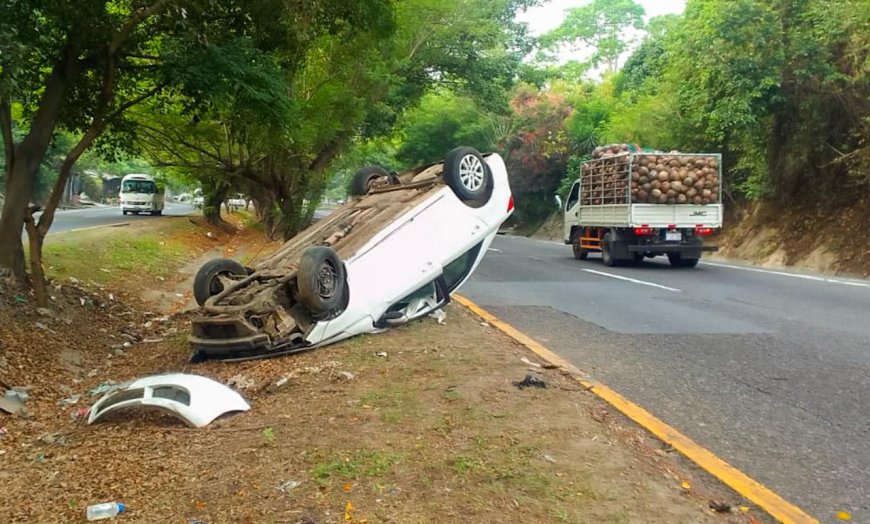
[
  {"x": 375, "y": 279},
  {"x": 206, "y": 399}
]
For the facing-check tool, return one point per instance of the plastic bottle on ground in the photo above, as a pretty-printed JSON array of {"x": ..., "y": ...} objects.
[{"x": 106, "y": 510}]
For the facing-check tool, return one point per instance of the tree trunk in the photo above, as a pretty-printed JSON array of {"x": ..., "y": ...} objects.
[
  {"x": 214, "y": 192},
  {"x": 19, "y": 186},
  {"x": 37, "y": 272}
]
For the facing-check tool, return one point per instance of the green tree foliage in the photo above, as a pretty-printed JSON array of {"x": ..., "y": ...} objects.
[
  {"x": 438, "y": 124},
  {"x": 602, "y": 26},
  {"x": 537, "y": 152}
]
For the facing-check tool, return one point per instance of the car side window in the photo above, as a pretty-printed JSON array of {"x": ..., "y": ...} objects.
[
  {"x": 574, "y": 196},
  {"x": 456, "y": 271}
]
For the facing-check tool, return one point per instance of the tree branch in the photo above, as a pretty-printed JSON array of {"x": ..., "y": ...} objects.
[
  {"x": 132, "y": 102},
  {"x": 131, "y": 24}
]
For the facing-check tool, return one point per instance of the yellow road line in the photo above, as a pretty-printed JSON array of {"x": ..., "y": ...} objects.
[{"x": 763, "y": 497}]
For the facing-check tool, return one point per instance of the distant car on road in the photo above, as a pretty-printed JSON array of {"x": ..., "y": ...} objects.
[
  {"x": 394, "y": 253},
  {"x": 237, "y": 202}
]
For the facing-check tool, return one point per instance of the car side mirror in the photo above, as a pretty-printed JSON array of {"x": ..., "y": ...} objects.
[{"x": 558, "y": 201}]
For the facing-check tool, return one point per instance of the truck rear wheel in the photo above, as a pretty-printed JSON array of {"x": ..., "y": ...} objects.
[
  {"x": 607, "y": 251},
  {"x": 579, "y": 252},
  {"x": 677, "y": 260},
  {"x": 689, "y": 262}
]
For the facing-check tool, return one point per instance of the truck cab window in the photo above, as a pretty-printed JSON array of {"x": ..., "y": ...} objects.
[{"x": 573, "y": 197}]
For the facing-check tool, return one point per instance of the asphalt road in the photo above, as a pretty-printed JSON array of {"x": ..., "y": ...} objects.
[
  {"x": 769, "y": 370},
  {"x": 69, "y": 219}
]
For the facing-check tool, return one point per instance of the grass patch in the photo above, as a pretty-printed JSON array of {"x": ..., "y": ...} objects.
[
  {"x": 250, "y": 221},
  {"x": 395, "y": 403},
  {"x": 463, "y": 464},
  {"x": 108, "y": 257},
  {"x": 360, "y": 464}
]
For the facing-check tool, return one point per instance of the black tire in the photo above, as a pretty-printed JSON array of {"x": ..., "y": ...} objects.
[
  {"x": 321, "y": 281},
  {"x": 206, "y": 284},
  {"x": 637, "y": 258},
  {"x": 124, "y": 212},
  {"x": 607, "y": 251},
  {"x": 689, "y": 262},
  {"x": 467, "y": 174},
  {"x": 365, "y": 178},
  {"x": 579, "y": 252},
  {"x": 675, "y": 259},
  {"x": 159, "y": 212}
]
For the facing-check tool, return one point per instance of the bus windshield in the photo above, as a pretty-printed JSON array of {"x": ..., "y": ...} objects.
[{"x": 139, "y": 186}]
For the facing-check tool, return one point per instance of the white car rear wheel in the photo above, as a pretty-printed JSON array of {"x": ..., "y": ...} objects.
[{"x": 467, "y": 175}]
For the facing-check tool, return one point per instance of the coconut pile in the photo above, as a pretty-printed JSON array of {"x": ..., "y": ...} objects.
[{"x": 650, "y": 177}]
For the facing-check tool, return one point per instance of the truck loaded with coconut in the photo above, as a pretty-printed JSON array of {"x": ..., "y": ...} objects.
[{"x": 630, "y": 204}]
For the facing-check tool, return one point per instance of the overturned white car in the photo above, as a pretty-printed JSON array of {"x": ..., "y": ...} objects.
[{"x": 392, "y": 254}]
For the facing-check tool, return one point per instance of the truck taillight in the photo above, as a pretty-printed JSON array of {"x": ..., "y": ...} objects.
[
  {"x": 703, "y": 231},
  {"x": 511, "y": 204},
  {"x": 643, "y": 231}
]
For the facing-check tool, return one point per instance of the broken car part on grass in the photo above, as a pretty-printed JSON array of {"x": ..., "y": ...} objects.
[
  {"x": 193, "y": 399},
  {"x": 394, "y": 253}
]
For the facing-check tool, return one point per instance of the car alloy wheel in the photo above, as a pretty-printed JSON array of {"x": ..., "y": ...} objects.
[{"x": 471, "y": 172}]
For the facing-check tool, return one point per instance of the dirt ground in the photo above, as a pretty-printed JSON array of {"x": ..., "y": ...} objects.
[{"x": 418, "y": 424}]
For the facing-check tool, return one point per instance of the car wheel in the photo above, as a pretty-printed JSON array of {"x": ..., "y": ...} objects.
[
  {"x": 124, "y": 212},
  {"x": 607, "y": 251},
  {"x": 207, "y": 282},
  {"x": 467, "y": 174},
  {"x": 321, "y": 281},
  {"x": 579, "y": 252},
  {"x": 675, "y": 259},
  {"x": 371, "y": 177},
  {"x": 637, "y": 258}
]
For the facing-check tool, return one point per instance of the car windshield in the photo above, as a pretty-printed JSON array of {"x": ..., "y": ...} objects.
[{"x": 139, "y": 186}]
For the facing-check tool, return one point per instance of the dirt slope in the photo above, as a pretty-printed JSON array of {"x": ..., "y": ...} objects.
[{"x": 823, "y": 239}]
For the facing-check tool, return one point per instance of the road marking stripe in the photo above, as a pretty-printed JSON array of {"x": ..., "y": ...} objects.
[
  {"x": 795, "y": 275},
  {"x": 494, "y": 249},
  {"x": 766, "y": 499},
  {"x": 643, "y": 282}
]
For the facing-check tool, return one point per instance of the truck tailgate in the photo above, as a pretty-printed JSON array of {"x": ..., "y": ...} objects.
[{"x": 683, "y": 215}]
